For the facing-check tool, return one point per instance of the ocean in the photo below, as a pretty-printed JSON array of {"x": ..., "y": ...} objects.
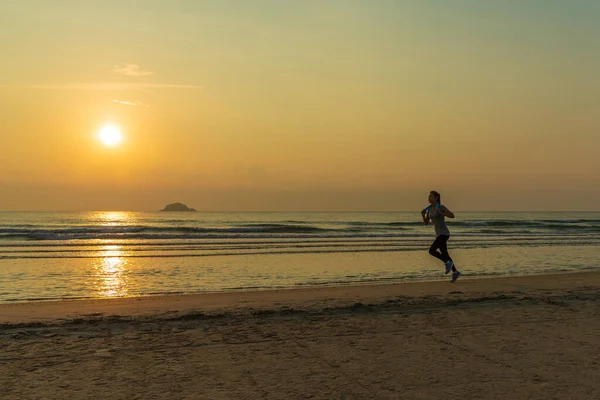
[{"x": 60, "y": 255}]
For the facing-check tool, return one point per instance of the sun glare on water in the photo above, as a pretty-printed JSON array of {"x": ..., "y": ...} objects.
[{"x": 110, "y": 135}]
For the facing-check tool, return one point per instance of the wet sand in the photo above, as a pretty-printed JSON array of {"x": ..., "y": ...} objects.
[{"x": 531, "y": 337}]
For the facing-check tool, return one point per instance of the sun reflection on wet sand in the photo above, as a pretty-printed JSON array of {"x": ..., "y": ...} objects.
[{"x": 111, "y": 271}]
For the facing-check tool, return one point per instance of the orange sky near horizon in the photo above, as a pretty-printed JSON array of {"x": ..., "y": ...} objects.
[{"x": 349, "y": 105}]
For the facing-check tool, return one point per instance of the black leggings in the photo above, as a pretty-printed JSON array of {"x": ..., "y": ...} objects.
[{"x": 440, "y": 243}]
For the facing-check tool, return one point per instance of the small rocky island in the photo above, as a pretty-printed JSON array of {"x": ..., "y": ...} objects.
[{"x": 177, "y": 207}]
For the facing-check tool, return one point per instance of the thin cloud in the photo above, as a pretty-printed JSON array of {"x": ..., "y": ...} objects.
[
  {"x": 112, "y": 86},
  {"x": 131, "y": 70},
  {"x": 131, "y": 103}
]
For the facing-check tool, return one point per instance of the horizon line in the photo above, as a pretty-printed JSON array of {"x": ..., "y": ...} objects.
[{"x": 294, "y": 211}]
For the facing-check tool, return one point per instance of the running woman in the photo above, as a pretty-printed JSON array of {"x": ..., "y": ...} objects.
[{"x": 436, "y": 213}]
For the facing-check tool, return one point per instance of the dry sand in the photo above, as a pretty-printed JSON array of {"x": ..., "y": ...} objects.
[{"x": 502, "y": 338}]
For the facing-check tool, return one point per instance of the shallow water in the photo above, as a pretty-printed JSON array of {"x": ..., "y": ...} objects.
[{"x": 47, "y": 255}]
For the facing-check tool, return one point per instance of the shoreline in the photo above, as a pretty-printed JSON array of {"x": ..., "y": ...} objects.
[
  {"x": 308, "y": 286},
  {"x": 304, "y": 298}
]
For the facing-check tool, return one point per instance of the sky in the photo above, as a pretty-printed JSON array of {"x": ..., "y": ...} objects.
[{"x": 277, "y": 105}]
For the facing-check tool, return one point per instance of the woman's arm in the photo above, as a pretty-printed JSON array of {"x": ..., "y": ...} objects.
[
  {"x": 425, "y": 217},
  {"x": 446, "y": 212}
]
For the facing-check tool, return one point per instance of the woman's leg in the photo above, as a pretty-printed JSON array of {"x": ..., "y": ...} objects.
[
  {"x": 444, "y": 250},
  {"x": 440, "y": 243}
]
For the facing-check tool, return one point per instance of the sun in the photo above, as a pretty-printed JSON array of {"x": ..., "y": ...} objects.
[{"x": 110, "y": 135}]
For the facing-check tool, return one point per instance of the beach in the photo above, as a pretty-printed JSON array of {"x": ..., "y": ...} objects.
[
  {"x": 533, "y": 337},
  {"x": 290, "y": 200}
]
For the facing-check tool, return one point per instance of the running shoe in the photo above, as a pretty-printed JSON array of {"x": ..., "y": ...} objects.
[
  {"x": 449, "y": 265},
  {"x": 455, "y": 276}
]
